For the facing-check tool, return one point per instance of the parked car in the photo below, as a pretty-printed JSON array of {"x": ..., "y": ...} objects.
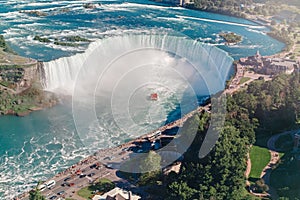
[
  {"x": 64, "y": 184},
  {"x": 53, "y": 197},
  {"x": 61, "y": 192},
  {"x": 109, "y": 166},
  {"x": 91, "y": 174},
  {"x": 93, "y": 166},
  {"x": 70, "y": 184},
  {"x": 82, "y": 175},
  {"x": 66, "y": 179}
]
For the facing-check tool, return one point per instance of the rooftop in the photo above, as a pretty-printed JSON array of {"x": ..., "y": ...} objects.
[{"x": 117, "y": 194}]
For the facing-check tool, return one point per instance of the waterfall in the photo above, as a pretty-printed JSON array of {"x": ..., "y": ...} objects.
[
  {"x": 111, "y": 83},
  {"x": 213, "y": 64},
  {"x": 60, "y": 74}
]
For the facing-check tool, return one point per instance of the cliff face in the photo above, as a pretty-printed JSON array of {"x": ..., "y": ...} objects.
[
  {"x": 33, "y": 74},
  {"x": 18, "y": 78},
  {"x": 30, "y": 75},
  {"x": 40, "y": 73},
  {"x": 21, "y": 89}
]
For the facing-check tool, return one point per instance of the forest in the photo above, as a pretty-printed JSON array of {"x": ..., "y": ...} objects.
[
  {"x": 242, "y": 8},
  {"x": 254, "y": 113}
]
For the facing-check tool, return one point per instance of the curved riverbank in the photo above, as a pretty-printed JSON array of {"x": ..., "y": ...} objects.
[
  {"x": 258, "y": 19},
  {"x": 115, "y": 154},
  {"x": 122, "y": 152},
  {"x": 49, "y": 132}
]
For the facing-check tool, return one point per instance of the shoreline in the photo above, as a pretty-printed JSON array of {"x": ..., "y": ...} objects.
[
  {"x": 113, "y": 149},
  {"x": 100, "y": 156},
  {"x": 254, "y": 19}
]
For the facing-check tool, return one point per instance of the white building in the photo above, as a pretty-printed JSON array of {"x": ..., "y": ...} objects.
[{"x": 117, "y": 194}]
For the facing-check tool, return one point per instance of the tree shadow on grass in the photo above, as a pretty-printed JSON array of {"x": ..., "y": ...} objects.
[{"x": 253, "y": 180}]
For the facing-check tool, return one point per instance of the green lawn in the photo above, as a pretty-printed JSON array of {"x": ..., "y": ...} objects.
[
  {"x": 103, "y": 185},
  {"x": 244, "y": 80},
  {"x": 85, "y": 193},
  {"x": 260, "y": 157}
]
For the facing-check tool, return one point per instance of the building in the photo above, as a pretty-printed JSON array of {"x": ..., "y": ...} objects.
[
  {"x": 278, "y": 65},
  {"x": 117, "y": 194},
  {"x": 176, "y": 2},
  {"x": 269, "y": 65},
  {"x": 172, "y": 168}
]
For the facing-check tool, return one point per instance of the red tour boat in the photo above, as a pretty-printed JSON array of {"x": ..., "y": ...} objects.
[{"x": 154, "y": 96}]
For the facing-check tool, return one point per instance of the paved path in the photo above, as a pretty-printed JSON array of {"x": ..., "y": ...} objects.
[
  {"x": 248, "y": 170},
  {"x": 266, "y": 172}
]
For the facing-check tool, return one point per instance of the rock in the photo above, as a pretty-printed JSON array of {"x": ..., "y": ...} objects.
[
  {"x": 10, "y": 112},
  {"x": 89, "y": 6},
  {"x": 34, "y": 12},
  {"x": 22, "y": 114}
]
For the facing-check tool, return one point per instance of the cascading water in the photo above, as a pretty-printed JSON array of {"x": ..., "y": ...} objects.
[
  {"x": 110, "y": 83},
  {"x": 44, "y": 143},
  {"x": 60, "y": 74}
]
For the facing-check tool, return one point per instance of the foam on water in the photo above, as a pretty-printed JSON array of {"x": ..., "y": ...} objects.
[
  {"x": 111, "y": 81},
  {"x": 220, "y": 22}
]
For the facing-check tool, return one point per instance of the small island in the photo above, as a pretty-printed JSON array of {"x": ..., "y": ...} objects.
[
  {"x": 35, "y": 13},
  {"x": 72, "y": 41},
  {"x": 91, "y": 5},
  {"x": 41, "y": 39},
  {"x": 231, "y": 38}
]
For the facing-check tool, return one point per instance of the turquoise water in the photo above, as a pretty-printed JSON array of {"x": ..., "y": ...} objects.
[
  {"x": 119, "y": 17},
  {"x": 39, "y": 145}
]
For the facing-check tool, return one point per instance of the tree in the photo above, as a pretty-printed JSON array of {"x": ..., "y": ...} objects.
[
  {"x": 150, "y": 168},
  {"x": 218, "y": 176},
  {"x": 181, "y": 191},
  {"x": 36, "y": 195},
  {"x": 151, "y": 162}
]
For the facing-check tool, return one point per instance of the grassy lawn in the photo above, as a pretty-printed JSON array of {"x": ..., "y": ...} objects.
[
  {"x": 85, "y": 193},
  {"x": 244, "y": 79},
  {"x": 102, "y": 186},
  {"x": 260, "y": 157}
]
